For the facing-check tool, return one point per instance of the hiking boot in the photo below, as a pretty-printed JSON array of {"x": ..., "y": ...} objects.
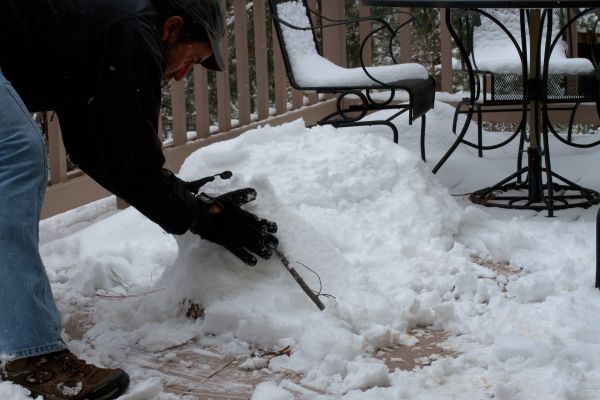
[{"x": 62, "y": 376}]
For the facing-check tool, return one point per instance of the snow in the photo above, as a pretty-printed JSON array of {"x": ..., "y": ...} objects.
[
  {"x": 268, "y": 391},
  {"x": 10, "y": 391},
  {"x": 305, "y": 60},
  {"x": 145, "y": 390},
  {"x": 398, "y": 247}
]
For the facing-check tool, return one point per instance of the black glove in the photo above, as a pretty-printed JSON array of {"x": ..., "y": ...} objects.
[{"x": 223, "y": 221}]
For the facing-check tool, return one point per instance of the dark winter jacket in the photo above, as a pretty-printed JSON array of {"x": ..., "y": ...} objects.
[{"x": 99, "y": 65}]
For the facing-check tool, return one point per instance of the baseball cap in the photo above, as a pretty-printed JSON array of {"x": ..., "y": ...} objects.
[{"x": 208, "y": 14}]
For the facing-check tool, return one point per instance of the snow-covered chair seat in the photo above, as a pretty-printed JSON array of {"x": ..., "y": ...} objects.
[
  {"x": 308, "y": 70},
  {"x": 494, "y": 52},
  {"x": 498, "y": 67}
]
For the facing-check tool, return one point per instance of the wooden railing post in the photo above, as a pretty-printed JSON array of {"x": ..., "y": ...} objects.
[
  {"x": 201, "y": 100},
  {"x": 279, "y": 77},
  {"x": 364, "y": 28},
  {"x": 312, "y": 4},
  {"x": 261, "y": 59},
  {"x": 446, "y": 53},
  {"x": 405, "y": 37},
  {"x": 241, "y": 64},
  {"x": 334, "y": 39},
  {"x": 179, "y": 113},
  {"x": 223, "y": 96},
  {"x": 572, "y": 36}
]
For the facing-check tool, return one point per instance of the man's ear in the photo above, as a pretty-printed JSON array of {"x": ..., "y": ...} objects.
[{"x": 171, "y": 29}]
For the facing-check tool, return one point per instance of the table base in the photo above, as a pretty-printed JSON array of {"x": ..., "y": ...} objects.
[{"x": 514, "y": 192}]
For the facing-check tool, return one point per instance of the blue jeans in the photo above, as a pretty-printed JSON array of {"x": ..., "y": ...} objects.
[{"x": 29, "y": 320}]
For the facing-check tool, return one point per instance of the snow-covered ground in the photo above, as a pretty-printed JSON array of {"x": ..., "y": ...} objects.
[{"x": 398, "y": 247}]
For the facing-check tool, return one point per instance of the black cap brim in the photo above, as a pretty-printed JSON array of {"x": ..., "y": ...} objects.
[{"x": 216, "y": 61}]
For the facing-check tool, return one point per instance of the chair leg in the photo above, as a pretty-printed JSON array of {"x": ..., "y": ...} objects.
[
  {"x": 423, "y": 123},
  {"x": 571, "y": 122},
  {"x": 549, "y": 185},
  {"x": 456, "y": 114},
  {"x": 459, "y": 139},
  {"x": 597, "y": 285},
  {"x": 395, "y": 131},
  {"x": 455, "y": 118},
  {"x": 479, "y": 132},
  {"x": 520, "y": 152}
]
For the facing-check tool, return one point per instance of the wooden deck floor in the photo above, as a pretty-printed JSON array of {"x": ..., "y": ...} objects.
[
  {"x": 204, "y": 374},
  {"x": 193, "y": 371}
]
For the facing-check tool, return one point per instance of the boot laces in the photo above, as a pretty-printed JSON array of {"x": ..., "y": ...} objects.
[{"x": 73, "y": 366}]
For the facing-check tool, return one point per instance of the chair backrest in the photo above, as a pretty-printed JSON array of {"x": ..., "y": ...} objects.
[
  {"x": 308, "y": 70},
  {"x": 297, "y": 45},
  {"x": 493, "y": 50}
]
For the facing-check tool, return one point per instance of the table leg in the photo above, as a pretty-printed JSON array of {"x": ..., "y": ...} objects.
[
  {"x": 534, "y": 151},
  {"x": 597, "y": 284},
  {"x": 534, "y": 76}
]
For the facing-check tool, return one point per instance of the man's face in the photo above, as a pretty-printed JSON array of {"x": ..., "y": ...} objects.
[{"x": 182, "y": 56}]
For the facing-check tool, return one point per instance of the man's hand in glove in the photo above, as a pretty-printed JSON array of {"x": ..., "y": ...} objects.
[{"x": 223, "y": 221}]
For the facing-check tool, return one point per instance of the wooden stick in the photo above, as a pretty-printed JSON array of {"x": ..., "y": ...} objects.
[{"x": 299, "y": 280}]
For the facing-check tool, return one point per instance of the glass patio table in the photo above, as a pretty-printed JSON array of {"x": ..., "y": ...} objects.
[{"x": 514, "y": 191}]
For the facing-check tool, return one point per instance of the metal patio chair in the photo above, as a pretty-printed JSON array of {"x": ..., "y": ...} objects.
[
  {"x": 496, "y": 47},
  {"x": 309, "y": 71}
]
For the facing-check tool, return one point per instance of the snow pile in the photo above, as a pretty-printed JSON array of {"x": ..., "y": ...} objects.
[
  {"x": 354, "y": 209},
  {"x": 513, "y": 289}
]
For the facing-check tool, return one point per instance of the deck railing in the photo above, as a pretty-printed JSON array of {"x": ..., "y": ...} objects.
[{"x": 255, "y": 87}]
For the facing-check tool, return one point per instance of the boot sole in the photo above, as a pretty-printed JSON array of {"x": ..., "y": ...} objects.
[{"x": 119, "y": 382}]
